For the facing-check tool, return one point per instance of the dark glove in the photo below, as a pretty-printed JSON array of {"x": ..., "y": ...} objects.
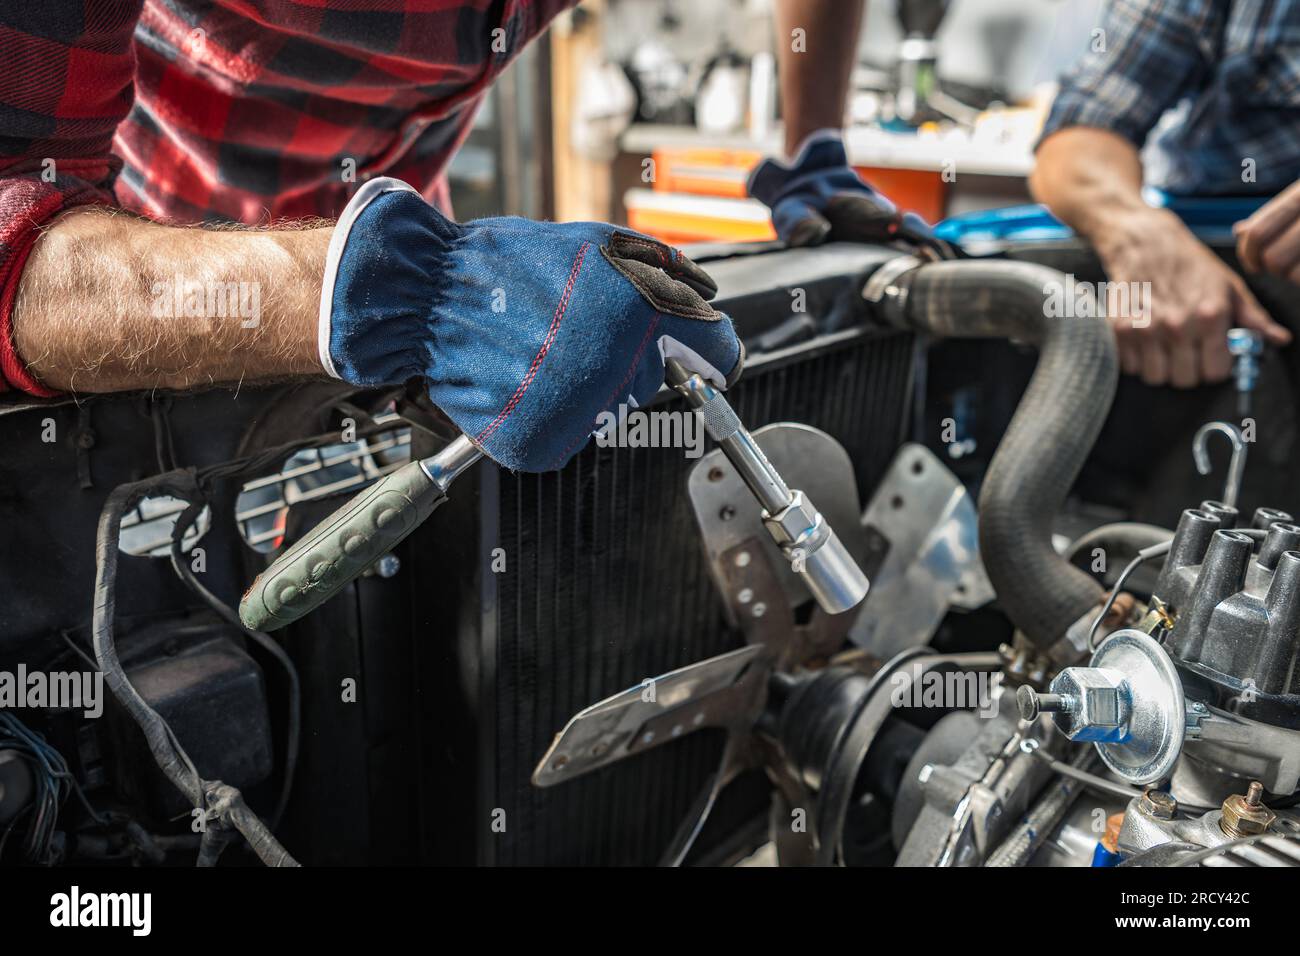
[
  {"x": 819, "y": 198},
  {"x": 524, "y": 331}
]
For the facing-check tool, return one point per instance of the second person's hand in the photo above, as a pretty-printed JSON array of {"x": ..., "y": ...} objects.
[
  {"x": 817, "y": 197},
  {"x": 1269, "y": 239},
  {"x": 1179, "y": 335}
]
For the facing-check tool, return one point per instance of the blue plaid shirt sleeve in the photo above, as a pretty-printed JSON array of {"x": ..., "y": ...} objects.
[{"x": 1145, "y": 57}]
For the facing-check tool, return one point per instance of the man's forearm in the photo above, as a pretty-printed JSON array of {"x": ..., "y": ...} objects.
[
  {"x": 108, "y": 302},
  {"x": 815, "y": 66},
  {"x": 1088, "y": 178}
]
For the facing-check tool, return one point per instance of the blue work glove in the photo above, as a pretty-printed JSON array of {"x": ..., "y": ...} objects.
[
  {"x": 819, "y": 198},
  {"x": 524, "y": 331}
]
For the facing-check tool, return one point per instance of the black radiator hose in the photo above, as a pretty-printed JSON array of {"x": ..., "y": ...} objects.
[{"x": 1050, "y": 435}]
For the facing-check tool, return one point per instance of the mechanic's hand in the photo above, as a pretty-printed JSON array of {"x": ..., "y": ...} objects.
[
  {"x": 525, "y": 331},
  {"x": 1269, "y": 239},
  {"x": 1181, "y": 337},
  {"x": 818, "y": 197}
]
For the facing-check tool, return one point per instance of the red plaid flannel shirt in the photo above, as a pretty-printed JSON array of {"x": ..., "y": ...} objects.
[{"x": 232, "y": 110}]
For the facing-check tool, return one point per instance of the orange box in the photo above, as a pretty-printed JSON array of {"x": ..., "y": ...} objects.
[
  {"x": 921, "y": 191},
  {"x": 705, "y": 171}
]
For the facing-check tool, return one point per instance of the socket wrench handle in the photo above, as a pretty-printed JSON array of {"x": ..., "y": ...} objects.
[
  {"x": 812, "y": 547},
  {"x": 359, "y": 533}
]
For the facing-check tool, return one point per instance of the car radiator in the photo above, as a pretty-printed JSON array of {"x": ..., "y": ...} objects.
[{"x": 605, "y": 583}]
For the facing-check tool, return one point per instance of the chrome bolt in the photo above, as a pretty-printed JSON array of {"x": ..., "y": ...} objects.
[{"x": 1032, "y": 703}]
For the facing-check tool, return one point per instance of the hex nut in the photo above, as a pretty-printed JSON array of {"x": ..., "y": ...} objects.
[
  {"x": 1099, "y": 705},
  {"x": 1241, "y": 818},
  {"x": 795, "y": 523},
  {"x": 1158, "y": 804}
]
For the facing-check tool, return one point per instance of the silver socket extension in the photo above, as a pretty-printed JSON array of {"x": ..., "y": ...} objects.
[{"x": 811, "y": 546}]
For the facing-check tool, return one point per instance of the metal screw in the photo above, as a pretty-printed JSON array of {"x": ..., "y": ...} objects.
[
  {"x": 388, "y": 565},
  {"x": 1245, "y": 346}
]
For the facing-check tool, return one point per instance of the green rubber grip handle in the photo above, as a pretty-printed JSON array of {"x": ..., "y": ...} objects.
[{"x": 338, "y": 549}]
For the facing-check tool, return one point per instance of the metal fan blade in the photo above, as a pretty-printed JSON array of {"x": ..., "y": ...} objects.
[
  {"x": 723, "y": 691},
  {"x": 728, "y": 767}
]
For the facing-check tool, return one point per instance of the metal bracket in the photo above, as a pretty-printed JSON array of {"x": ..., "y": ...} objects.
[
  {"x": 929, "y": 521},
  {"x": 763, "y": 599}
]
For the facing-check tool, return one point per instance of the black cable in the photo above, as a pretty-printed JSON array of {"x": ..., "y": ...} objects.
[
  {"x": 86, "y": 658},
  {"x": 184, "y": 522},
  {"x": 211, "y": 844},
  {"x": 1143, "y": 555},
  {"x": 1285, "y": 803},
  {"x": 263, "y": 460},
  {"x": 225, "y": 804},
  {"x": 162, "y": 448},
  {"x": 220, "y": 803}
]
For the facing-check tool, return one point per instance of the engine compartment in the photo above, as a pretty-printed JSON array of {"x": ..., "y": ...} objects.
[{"x": 1062, "y": 660}]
